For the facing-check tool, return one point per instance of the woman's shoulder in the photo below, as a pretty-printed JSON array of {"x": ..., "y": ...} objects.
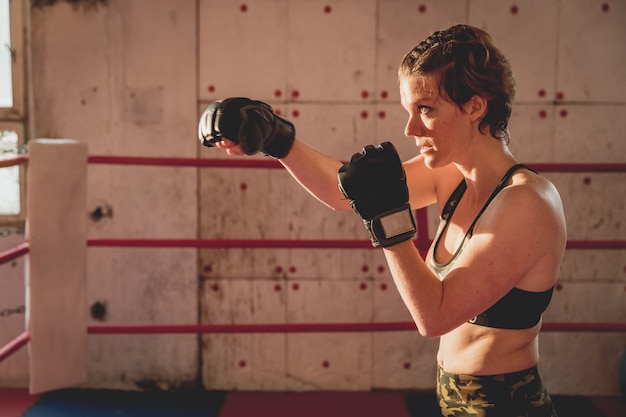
[
  {"x": 533, "y": 201},
  {"x": 534, "y": 188}
]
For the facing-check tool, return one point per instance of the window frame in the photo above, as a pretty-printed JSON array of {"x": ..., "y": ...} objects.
[
  {"x": 16, "y": 219},
  {"x": 18, "y": 50},
  {"x": 14, "y": 118}
]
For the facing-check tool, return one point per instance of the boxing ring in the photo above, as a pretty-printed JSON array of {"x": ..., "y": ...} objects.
[{"x": 53, "y": 367}]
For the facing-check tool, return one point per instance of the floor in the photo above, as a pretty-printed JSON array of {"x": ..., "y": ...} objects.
[{"x": 105, "y": 403}]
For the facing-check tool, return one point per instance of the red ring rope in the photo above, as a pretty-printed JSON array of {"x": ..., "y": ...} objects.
[
  {"x": 250, "y": 328},
  {"x": 295, "y": 244},
  {"x": 596, "y": 244},
  {"x": 16, "y": 252},
  {"x": 231, "y": 243},
  {"x": 184, "y": 162},
  {"x": 317, "y": 328},
  {"x": 271, "y": 163},
  {"x": 578, "y": 167},
  {"x": 14, "y": 345},
  {"x": 20, "y": 159},
  {"x": 24, "y": 338}
]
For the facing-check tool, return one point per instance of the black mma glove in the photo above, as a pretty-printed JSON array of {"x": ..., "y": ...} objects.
[
  {"x": 375, "y": 183},
  {"x": 250, "y": 123}
]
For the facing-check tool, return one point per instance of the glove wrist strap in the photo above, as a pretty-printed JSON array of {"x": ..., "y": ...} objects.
[
  {"x": 392, "y": 227},
  {"x": 282, "y": 141}
]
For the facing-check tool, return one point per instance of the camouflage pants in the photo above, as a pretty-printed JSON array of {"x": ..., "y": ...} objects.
[{"x": 510, "y": 395}]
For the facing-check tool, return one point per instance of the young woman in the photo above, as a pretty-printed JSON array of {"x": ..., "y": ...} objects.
[{"x": 491, "y": 269}]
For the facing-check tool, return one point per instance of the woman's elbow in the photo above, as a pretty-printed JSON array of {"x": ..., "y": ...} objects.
[
  {"x": 431, "y": 328},
  {"x": 428, "y": 332}
]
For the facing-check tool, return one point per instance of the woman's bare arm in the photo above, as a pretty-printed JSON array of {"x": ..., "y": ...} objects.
[{"x": 316, "y": 173}]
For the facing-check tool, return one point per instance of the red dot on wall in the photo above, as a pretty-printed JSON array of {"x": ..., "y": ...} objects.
[
  {"x": 365, "y": 268},
  {"x": 364, "y": 114},
  {"x": 560, "y": 95},
  {"x": 215, "y": 287},
  {"x": 586, "y": 180},
  {"x": 605, "y": 7},
  {"x": 543, "y": 114},
  {"x": 242, "y": 363},
  {"x": 208, "y": 268},
  {"x": 278, "y": 93},
  {"x": 292, "y": 269},
  {"x": 421, "y": 8},
  {"x": 383, "y": 287},
  {"x": 295, "y": 94},
  {"x": 278, "y": 287},
  {"x": 384, "y": 94},
  {"x": 243, "y": 186},
  {"x": 211, "y": 88},
  {"x": 295, "y": 113},
  {"x": 363, "y": 286},
  {"x": 382, "y": 114},
  {"x": 406, "y": 365},
  {"x": 365, "y": 94},
  {"x": 514, "y": 9},
  {"x": 380, "y": 269},
  {"x": 295, "y": 286},
  {"x": 243, "y": 8},
  {"x": 278, "y": 269},
  {"x": 325, "y": 364},
  {"x": 563, "y": 113},
  {"x": 558, "y": 287},
  {"x": 541, "y": 92},
  {"x": 327, "y": 9}
]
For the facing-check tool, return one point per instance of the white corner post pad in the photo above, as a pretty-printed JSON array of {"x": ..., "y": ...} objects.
[{"x": 56, "y": 228}]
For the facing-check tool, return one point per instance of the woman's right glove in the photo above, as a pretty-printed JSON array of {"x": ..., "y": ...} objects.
[
  {"x": 375, "y": 184},
  {"x": 250, "y": 123}
]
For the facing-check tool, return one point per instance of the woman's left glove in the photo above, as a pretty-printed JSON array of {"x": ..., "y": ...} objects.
[
  {"x": 250, "y": 123},
  {"x": 375, "y": 184}
]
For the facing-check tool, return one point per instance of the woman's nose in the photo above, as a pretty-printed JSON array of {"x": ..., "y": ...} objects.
[{"x": 411, "y": 129}]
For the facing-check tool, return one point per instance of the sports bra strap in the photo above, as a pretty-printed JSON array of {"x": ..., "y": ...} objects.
[
  {"x": 460, "y": 190},
  {"x": 501, "y": 185}
]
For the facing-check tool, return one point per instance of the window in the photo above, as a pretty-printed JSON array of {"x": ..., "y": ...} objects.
[
  {"x": 6, "y": 58},
  {"x": 10, "y": 189},
  {"x": 12, "y": 56},
  {"x": 12, "y": 114}
]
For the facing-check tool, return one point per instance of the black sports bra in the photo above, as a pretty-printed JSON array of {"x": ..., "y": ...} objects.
[{"x": 518, "y": 309}]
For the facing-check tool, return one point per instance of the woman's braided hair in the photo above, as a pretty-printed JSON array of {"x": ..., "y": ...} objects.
[{"x": 468, "y": 64}]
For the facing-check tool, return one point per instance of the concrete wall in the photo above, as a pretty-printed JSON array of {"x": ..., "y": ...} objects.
[
  {"x": 122, "y": 77},
  {"x": 130, "y": 77}
]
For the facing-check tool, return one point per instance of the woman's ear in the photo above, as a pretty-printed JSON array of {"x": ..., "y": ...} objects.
[{"x": 476, "y": 107}]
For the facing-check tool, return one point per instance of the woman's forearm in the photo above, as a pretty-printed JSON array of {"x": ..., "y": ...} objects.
[{"x": 317, "y": 173}]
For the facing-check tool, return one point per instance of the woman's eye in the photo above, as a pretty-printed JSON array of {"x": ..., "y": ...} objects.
[{"x": 424, "y": 109}]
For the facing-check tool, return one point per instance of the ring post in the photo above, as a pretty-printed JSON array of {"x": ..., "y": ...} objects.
[{"x": 56, "y": 227}]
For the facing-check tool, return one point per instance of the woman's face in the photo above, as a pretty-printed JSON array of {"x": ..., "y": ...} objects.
[{"x": 441, "y": 130}]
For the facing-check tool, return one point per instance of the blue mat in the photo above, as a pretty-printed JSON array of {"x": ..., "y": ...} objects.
[
  {"x": 108, "y": 403},
  {"x": 111, "y": 403}
]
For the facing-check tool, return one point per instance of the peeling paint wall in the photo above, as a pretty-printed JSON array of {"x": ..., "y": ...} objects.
[{"x": 330, "y": 67}]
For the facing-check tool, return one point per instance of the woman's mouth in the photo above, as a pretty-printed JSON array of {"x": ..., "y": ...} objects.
[{"x": 424, "y": 148}]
